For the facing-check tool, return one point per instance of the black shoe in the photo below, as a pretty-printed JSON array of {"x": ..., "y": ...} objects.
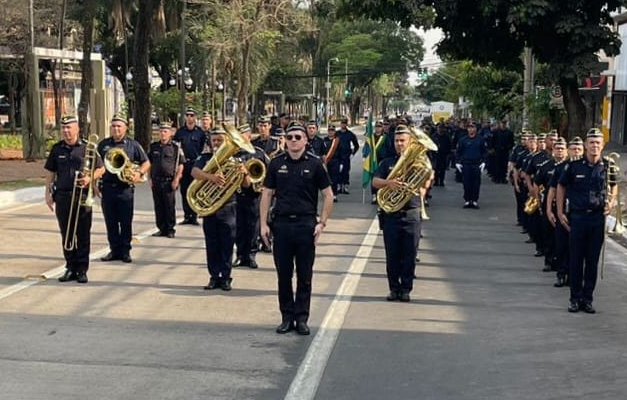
[
  {"x": 213, "y": 284},
  {"x": 302, "y": 328},
  {"x": 524, "y": 232},
  {"x": 170, "y": 235},
  {"x": 344, "y": 191},
  {"x": 68, "y": 276},
  {"x": 547, "y": 268},
  {"x": 238, "y": 263},
  {"x": 538, "y": 253},
  {"x": 265, "y": 249},
  {"x": 475, "y": 205},
  {"x": 335, "y": 199},
  {"x": 404, "y": 297},
  {"x": 110, "y": 257},
  {"x": 393, "y": 296},
  {"x": 126, "y": 258},
  {"x": 186, "y": 221},
  {"x": 194, "y": 221},
  {"x": 253, "y": 264},
  {"x": 560, "y": 282},
  {"x": 226, "y": 284},
  {"x": 81, "y": 277},
  {"x": 158, "y": 233},
  {"x": 467, "y": 205},
  {"x": 573, "y": 307},
  {"x": 586, "y": 307},
  {"x": 285, "y": 327},
  {"x": 529, "y": 241}
]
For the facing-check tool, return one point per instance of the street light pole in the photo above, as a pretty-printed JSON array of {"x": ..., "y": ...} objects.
[
  {"x": 328, "y": 86},
  {"x": 182, "y": 65}
]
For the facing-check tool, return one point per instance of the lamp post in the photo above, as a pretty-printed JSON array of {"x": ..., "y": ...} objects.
[
  {"x": 182, "y": 63},
  {"x": 327, "y": 85},
  {"x": 222, "y": 88}
]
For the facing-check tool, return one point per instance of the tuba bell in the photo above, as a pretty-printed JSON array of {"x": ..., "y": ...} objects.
[
  {"x": 205, "y": 197},
  {"x": 116, "y": 161},
  {"x": 413, "y": 168}
]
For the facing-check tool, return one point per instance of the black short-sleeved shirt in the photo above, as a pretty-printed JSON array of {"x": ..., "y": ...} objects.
[
  {"x": 520, "y": 159},
  {"x": 516, "y": 152},
  {"x": 535, "y": 162},
  {"x": 165, "y": 159},
  {"x": 192, "y": 141},
  {"x": 317, "y": 146},
  {"x": 133, "y": 150},
  {"x": 544, "y": 172},
  {"x": 64, "y": 160},
  {"x": 585, "y": 184},
  {"x": 384, "y": 170},
  {"x": 559, "y": 169},
  {"x": 296, "y": 183}
]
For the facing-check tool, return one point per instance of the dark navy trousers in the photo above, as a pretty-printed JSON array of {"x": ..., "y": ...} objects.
[
  {"x": 186, "y": 180},
  {"x": 401, "y": 232},
  {"x": 247, "y": 228},
  {"x": 164, "y": 200},
  {"x": 219, "y": 231},
  {"x": 77, "y": 260},
  {"x": 471, "y": 178},
  {"x": 117, "y": 207},
  {"x": 586, "y": 239}
]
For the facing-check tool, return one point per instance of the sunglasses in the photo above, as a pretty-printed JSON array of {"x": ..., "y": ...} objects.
[
  {"x": 190, "y": 115},
  {"x": 293, "y": 137}
]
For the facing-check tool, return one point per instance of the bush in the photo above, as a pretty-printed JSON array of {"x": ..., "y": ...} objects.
[{"x": 11, "y": 142}]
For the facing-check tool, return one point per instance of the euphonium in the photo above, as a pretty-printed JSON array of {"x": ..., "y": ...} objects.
[
  {"x": 257, "y": 173},
  {"x": 205, "y": 197},
  {"x": 413, "y": 168},
  {"x": 533, "y": 203},
  {"x": 116, "y": 161},
  {"x": 89, "y": 166},
  {"x": 613, "y": 173}
]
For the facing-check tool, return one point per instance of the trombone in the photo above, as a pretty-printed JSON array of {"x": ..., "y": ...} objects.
[
  {"x": 611, "y": 180},
  {"x": 89, "y": 165}
]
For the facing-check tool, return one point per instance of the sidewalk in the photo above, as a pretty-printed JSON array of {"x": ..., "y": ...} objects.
[{"x": 20, "y": 170}]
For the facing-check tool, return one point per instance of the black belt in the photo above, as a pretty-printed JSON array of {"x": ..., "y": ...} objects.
[
  {"x": 116, "y": 185},
  {"x": 294, "y": 216},
  {"x": 403, "y": 213},
  {"x": 162, "y": 179},
  {"x": 587, "y": 212}
]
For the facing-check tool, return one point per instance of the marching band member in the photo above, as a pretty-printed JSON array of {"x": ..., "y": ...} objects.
[
  {"x": 166, "y": 160},
  {"x": 218, "y": 228},
  {"x": 65, "y": 170},
  {"x": 118, "y": 196}
]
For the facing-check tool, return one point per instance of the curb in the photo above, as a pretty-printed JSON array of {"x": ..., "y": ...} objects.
[{"x": 28, "y": 195}]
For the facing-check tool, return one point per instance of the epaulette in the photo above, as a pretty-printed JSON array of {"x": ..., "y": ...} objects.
[{"x": 312, "y": 155}]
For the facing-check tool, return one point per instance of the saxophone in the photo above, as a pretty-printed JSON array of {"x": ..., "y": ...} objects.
[{"x": 413, "y": 168}]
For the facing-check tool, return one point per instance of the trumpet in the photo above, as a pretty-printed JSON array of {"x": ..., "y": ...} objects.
[
  {"x": 89, "y": 165},
  {"x": 613, "y": 173}
]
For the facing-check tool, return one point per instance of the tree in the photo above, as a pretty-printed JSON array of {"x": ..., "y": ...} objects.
[{"x": 564, "y": 34}]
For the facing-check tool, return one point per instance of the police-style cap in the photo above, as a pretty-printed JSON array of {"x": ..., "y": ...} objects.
[
  {"x": 402, "y": 129},
  {"x": 68, "y": 119},
  {"x": 344, "y": 121},
  {"x": 594, "y": 133},
  {"x": 379, "y": 123},
  {"x": 165, "y": 125},
  {"x": 531, "y": 136},
  {"x": 244, "y": 128},
  {"x": 119, "y": 118},
  {"x": 217, "y": 131},
  {"x": 560, "y": 142},
  {"x": 279, "y": 132},
  {"x": 263, "y": 119},
  {"x": 296, "y": 128},
  {"x": 206, "y": 114},
  {"x": 553, "y": 134},
  {"x": 190, "y": 110},
  {"x": 542, "y": 136},
  {"x": 576, "y": 141},
  {"x": 331, "y": 128},
  {"x": 284, "y": 115},
  {"x": 312, "y": 122}
]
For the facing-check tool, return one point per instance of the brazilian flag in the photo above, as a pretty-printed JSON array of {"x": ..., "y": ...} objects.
[{"x": 369, "y": 154}]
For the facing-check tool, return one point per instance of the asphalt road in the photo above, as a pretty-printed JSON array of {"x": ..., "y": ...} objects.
[{"x": 484, "y": 321}]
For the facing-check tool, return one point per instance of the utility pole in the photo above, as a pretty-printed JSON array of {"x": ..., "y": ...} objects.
[
  {"x": 527, "y": 84},
  {"x": 182, "y": 65}
]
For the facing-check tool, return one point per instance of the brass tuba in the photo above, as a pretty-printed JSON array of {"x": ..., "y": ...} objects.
[
  {"x": 116, "y": 161},
  {"x": 205, "y": 197},
  {"x": 413, "y": 168}
]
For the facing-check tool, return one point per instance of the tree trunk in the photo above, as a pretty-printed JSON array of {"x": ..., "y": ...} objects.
[
  {"x": 143, "y": 104},
  {"x": 575, "y": 108},
  {"x": 87, "y": 74},
  {"x": 243, "y": 85}
]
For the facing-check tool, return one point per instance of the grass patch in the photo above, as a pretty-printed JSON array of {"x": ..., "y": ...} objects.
[{"x": 21, "y": 184}]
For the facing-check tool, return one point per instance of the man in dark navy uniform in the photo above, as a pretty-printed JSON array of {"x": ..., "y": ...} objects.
[
  {"x": 584, "y": 184},
  {"x": 347, "y": 147},
  {"x": 247, "y": 211},
  {"x": 219, "y": 228},
  {"x": 166, "y": 160},
  {"x": 470, "y": 158},
  {"x": 315, "y": 144},
  {"x": 66, "y": 168},
  {"x": 118, "y": 197},
  {"x": 502, "y": 143},
  {"x": 267, "y": 143},
  {"x": 443, "y": 141},
  {"x": 534, "y": 220},
  {"x": 192, "y": 140},
  {"x": 401, "y": 229},
  {"x": 295, "y": 178},
  {"x": 575, "y": 151},
  {"x": 516, "y": 153}
]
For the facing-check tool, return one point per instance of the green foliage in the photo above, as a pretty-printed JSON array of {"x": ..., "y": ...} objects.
[
  {"x": 167, "y": 103},
  {"x": 10, "y": 142}
]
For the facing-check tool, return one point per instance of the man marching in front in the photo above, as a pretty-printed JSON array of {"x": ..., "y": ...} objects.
[{"x": 295, "y": 177}]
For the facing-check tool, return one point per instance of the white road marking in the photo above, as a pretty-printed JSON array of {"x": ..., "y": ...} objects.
[
  {"x": 20, "y": 207},
  {"x": 309, "y": 374}
]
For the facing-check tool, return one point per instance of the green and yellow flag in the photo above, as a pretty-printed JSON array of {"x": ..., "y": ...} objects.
[{"x": 369, "y": 154}]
